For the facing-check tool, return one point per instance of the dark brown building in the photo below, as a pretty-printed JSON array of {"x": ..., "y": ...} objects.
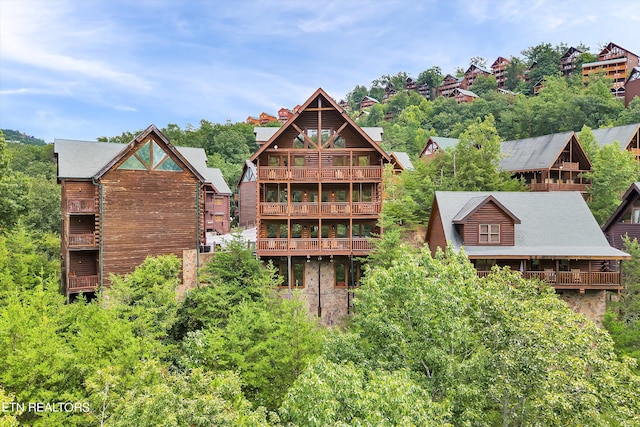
[
  {"x": 124, "y": 202},
  {"x": 626, "y": 218}
]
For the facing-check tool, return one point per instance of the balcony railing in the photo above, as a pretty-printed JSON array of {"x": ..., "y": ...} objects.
[
  {"x": 82, "y": 239},
  {"x": 82, "y": 283},
  {"x": 572, "y": 279},
  {"x": 81, "y": 205},
  {"x": 312, "y": 173},
  {"x": 327, "y": 209},
  {"x": 313, "y": 246},
  {"x": 557, "y": 186}
]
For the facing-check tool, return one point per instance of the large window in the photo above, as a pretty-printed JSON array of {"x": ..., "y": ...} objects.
[
  {"x": 150, "y": 156},
  {"x": 489, "y": 233},
  {"x": 298, "y": 274},
  {"x": 341, "y": 274}
]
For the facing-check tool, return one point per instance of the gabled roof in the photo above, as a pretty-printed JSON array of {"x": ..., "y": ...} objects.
[
  {"x": 612, "y": 46},
  {"x": 533, "y": 153},
  {"x": 568, "y": 230},
  {"x": 263, "y": 134},
  {"x": 368, "y": 98},
  {"x": 476, "y": 203},
  {"x": 499, "y": 60},
  {"x": 402, "y": 159},
  {"x": 633, "y": 75},
  {"x": 630, "y": 195},
  {"x": 622, "y": 134},
  {"x": 442, "y": 143},
  {"x": 248, "y": 166},
  {"x": 91, "y": 159},
  {"x": 321, "y": 93},
  {"x": 463, "y": 92},
  {"x": 570, "y": 52}
]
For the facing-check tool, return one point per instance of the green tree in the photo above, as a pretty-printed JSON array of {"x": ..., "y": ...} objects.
[
  {"x": 623, "y": 316},
  {"x": 613, "y": 171},
  {"x": 433, "y": 78},
  {"x": 496, "y": 350}
]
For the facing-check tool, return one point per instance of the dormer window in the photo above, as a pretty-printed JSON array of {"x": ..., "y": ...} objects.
[{"x": 489, "y": 233}]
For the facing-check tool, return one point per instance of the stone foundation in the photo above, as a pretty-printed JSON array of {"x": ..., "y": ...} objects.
[
  {"x": 326, "y": 300},
  {"x": 191, "y": 258},
  {"x": 592, "y": 303}
]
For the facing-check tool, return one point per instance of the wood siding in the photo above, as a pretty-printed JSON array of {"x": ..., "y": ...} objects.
[
  {"x": 617, "y": 231},
  {"x": 247, "y": 203},
  {"x": 489, "y": 214},
  {"x": 147, "y": 213}
]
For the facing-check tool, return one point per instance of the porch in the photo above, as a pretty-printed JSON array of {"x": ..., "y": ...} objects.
[{"x": 77, "y": 284}]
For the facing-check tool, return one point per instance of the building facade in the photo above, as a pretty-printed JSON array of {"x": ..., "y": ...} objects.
[
  {"x": 319, "y": 194},
  {"x": 124, "y": 202}
]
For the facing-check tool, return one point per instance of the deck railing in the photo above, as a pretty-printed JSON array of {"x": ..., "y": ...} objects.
[
  {"x": 326, "y": 209},
  {"x": 571, "y": 278},
  {"x": 81, "y": 205},
  {"x": 312, "y": 173},
  {"x": 311, "y": 246},
  {"x": 82, "y": 239},
  {"x": 84, "y": 283}
]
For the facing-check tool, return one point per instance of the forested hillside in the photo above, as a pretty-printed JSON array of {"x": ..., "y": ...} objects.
[{"x": 429, "y": 342}]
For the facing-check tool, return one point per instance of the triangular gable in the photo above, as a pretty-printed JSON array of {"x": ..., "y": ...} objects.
[
  {"x": 164, "y": 144},
  {"x": 308, "y": 104},
  {"x": 629, "y": 197},
  {"x": 613, "y": 48},
  {"x": 475, "y": 203},
  {"x": 249, "y": 172},
  {"x": 499, "y": 61},
  {"x": 438, "y": 142}
]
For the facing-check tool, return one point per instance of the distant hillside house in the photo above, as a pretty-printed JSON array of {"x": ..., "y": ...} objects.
[
  {"x": 615, "y": 63},
  {"x": 368, "y": 102},
  {"x": 448, "y": 85},
  {"x": 263, "y": 119},
  {"x": 435, "y": 144},
  {"x": 499, "y": 70},
  {"x": 471, "y": 75},
  {"x": 462, "y": 95},
  {"x": 284, "y": 114},
  {"x": 551, "y": 236},
  {"x": 124, "y": 202},
  {"x": 568, "y": 61}
]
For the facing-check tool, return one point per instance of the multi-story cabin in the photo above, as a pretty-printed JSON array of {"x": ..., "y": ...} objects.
[
  {"x": 284, "y": 114},
  {"x": 499, "y": 70},
  {"x": 471, "y": 75},
  {"x": 625, "y": 221},
  {"x": 448, "y": 85},
  {"x": 615, "y": 63},
  {"x": 263, "y": 119},
  {"x": 632, "y": 86},
  {"x": 319, "y": 189},
  {"x": 124, "y": 202},
  {"x": 555, "y": 162},
  {"x": 568, "y": 61},
  {"x": 549, "y": 236},
  {"x": 628, "y": 136}
]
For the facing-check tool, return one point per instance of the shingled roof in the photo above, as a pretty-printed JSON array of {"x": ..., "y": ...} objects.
[
  {"x": 552, "y": 224},
  {"x": 622, "y": 134},
  {"x": 85, "y": 160},
  {"x": 533, "y": 153}
]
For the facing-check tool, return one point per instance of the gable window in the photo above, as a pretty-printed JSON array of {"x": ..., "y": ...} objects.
[
  {"x": 150, "y": 156},
  {"x": 489, "y": 233},
  {"x": 635, "y": 216}
]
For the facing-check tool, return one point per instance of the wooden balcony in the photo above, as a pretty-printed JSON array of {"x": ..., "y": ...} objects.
[
  {"x": 78, "y": 284},
  {"x": 334, "y": 209},
  {"x": 576, "y": 279},
  {"x": 81, "y": 205},
  {"x": 313, "y": 174},
  {"x": 82, "y": 240},
  {"x": 558, "y": 186},
  {"x": 314, "y": 246}
]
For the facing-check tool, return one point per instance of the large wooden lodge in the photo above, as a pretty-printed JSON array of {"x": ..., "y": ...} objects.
[{"x": 124, "y": 202}]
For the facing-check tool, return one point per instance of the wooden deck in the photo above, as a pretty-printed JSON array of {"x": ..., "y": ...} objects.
[
  {"x": 317, "y": 210},
  {"x": 81, "y": 206},
  {"x": 314, "y": 174},
  {"x": 574, "y": 279},
  {"x": 313, "y": 246},
  {"x": 77, "y": 284}
]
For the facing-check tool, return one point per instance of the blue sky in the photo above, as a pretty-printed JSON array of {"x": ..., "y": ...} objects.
[{"x": 81, "y": 69}]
